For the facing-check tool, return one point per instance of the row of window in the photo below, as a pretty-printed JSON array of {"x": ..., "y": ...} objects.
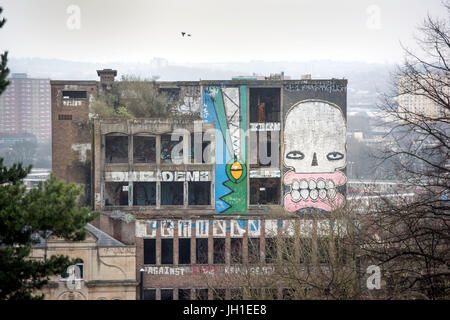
[
  {"x": 144, "y": 193},
  {"x": 217, "y": 294},
  {"x": 271, "y": 253}
]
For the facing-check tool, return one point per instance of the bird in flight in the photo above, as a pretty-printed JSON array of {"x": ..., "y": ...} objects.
[{"x": 184, "y": 33}]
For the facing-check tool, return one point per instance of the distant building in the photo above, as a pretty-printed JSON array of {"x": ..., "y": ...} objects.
[
  {"x": 25, "y": 107},
  {"x": 105, "y": 268}
]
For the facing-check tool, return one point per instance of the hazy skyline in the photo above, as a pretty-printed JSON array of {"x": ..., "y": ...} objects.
[{"x": 235, "y": 30}]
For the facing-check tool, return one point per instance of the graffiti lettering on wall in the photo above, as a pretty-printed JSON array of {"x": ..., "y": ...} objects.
[
  {"x": 325, "y": 86},
  {"x": 181, "y": 271},
  {"x": 227, "y": 109},
  {"x": 165, "y": 176},
  {"x": 315, "y": 153},
  {"x": 269, "y": 126}
]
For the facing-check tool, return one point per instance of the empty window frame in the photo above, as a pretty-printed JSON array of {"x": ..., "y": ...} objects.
[
  {"x": 64, "y": 117},
  {"x": 271, "y": 250},
  {"x": 166, "y": 251},
  {"x": 149, "y": 251},
  {"x": 116, "y": 149},
  {"x": 172, "y": 193},
  {"x": 144, "y": 149},
  {"x": 184, "y": 251},
  {"x": 149, "y": 294},
  {"x": 219, "y": 250},
  {"x": 288, "y": 249},
  {"x": 184, "y": 294},
  {"x": 166, "y": 294},
  {"x": 305, "y": 249},
  {"x": 199, "y": 150},
  {"x": 254, "y": 250},
  {"x": 168, "y": 150},
  {"x": 199, "y": 193},
  {"x": 236, "y": 250},
  {"x": 264, "y": 105},
  {"x": 201, "y": 294},
  {"x": 144, "y": 193},
  {"x": 74, "y": 94},
  {"x": 116, "y": 194},
  {"x": 265, "y": 191},
  {"x": 323, "y": 250},
  {"x": 201, "y": 250}
]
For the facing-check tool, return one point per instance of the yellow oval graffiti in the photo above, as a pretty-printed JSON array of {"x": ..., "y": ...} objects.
[{"x": 236, "y": 170}]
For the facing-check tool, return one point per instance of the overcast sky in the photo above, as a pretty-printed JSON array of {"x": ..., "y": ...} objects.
[{"x": 222, "y": 31}]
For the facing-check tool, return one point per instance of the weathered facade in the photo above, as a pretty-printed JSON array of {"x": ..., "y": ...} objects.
[
  {"x": 266, "y": 155},
  {"x": 105, "y": 268}
]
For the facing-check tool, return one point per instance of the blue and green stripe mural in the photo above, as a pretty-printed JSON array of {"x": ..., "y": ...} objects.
[{"x": 226, "y": 108}]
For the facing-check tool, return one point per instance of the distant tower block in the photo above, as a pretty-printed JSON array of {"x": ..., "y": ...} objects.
[{"x": 106, "y": 77}]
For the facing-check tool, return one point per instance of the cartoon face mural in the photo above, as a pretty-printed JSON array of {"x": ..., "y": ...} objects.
[{"x": 315, "y": 150}]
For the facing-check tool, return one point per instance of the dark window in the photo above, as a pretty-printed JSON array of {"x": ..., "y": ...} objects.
[
  {"x": 265, "y": 190},
  {"x": 184, "y": 251},
  {"x": 253, "y": 250},
  {"x": 219, "y": 250},
  {"x": 144, "y": 149},
  {"x": 199, "y": 193},
  {"x": 219, "y": 294},
  {"x": 340, "y": 250},
  {"x": 72, "y": 94},
  {"x": 271, "y": 294},
  {"x": 184, "y": 294},
  {"x": 305, "y": 250},
  {"x": 271, "y": 250},
  {"x": 149, "y": 294},
  {"x": 202, "y": 250},
  {"x": 236, "y": 250},
  {"x": 172, "y": 193},
  {"x": 144, "y": 194},
  {"x": 116, "y": 194},
  {"x": 166, "y": 251},
  {"x": 288, "y": 294},
  {"x": 201, "y": 294},
  {"x": 64, "y": 117},
  {"x": 149, "y": 251},
  {"x": 264, "y": 105},
  {"x": 254, "y": 294},
  {"x": 167, "y": 148},
  {"x": 116, "y": 149},
  {"x": 166, "y": 294},
  {"x": 288, "y": 249},
  {"x": 236, "y": 294},
  {"x": 323, "y": 250}
]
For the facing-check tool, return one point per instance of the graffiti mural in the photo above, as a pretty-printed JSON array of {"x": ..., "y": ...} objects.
[
  {"x": 315, "y": 155},
  {"x": 226, "y": 108}
]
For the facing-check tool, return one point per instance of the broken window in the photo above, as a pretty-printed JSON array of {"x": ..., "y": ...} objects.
[
  {"x": 166, "y": 294},
  {"x": 201, "y": 294},
  {"x": 199, "y": 193},
  {"x": 265, "y": 148},
  {"x": 219, "y": 294},
  {"x": 219, "y": 250},
  {"x": 184, "y": 251},
  {"x": 200, "y": 150},
  {"x": 74, "y": 94},
  {"x": 171, "y": 148},
  {"x": 149, "y": 294},
  {"x": 172, "y": 193},
  {"x": 264, "y": 105},
  {"x": 166, "y": 251},
  {"x": 236, "y": 250},
  {"x": 253, "y": 250},
  {"x": 149, "y": 251},
  {"x": 144, "y": 149},
  {"x": 144, "y": 194},
  {"x": 265, "y": 190},
  {"x": 116, "y": 149},
  {"x": 184, "y": 294},
  {"x": 202, "y": 250},
  {"x": 116, "y": 194},
  {"x": 271, "y": 250}
]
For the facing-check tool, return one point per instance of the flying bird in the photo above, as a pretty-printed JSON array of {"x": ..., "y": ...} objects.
[{"x": 184, "y": 33}]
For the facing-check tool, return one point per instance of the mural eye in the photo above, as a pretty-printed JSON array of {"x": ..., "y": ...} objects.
[
  {"x": 332, "y": 156},
  {"x": 296, "y": 155}
]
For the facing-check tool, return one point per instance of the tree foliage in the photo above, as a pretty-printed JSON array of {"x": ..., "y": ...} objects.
[{"x": 27, "y": 217}]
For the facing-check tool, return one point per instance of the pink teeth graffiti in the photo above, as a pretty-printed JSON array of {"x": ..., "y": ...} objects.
[{"x": 315, "y": 150}]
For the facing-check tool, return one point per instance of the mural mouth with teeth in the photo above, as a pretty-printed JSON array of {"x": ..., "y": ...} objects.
[{"x": 317, "y": 190}]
